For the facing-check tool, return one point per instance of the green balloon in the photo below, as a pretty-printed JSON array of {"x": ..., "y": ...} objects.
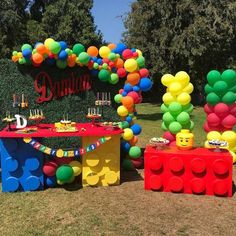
[
  {"x": 114, "y": 78},
  {"x": 124, "y": 124},
  {"x": 61, "y": 64},
  {"x": 229, "y": 98},
  {"x": 163, "y": 126},
  {"x": 14, "y": 53},
  {"x": 212, "y": 98},
  {"x": 78, "y": 48},
  {"x": 233, "y": 89},
  {"x": 64, "y": 173},
  {"x": 164, "y": 108},
  {"x": 220, "y": 87},
  {"x": 141, "y": 61},
  {"x": 104, "y": 75},
  {"x": 127, "y": 164},
  {"x": 188, "y": 108},
  {"x": 229, "y": 76},
  {"x": 26, "y": 46},
  {"x": 135, "y": 152},
  {"x": 104, "y": 66},
  {"x": 175, "y": 108},
  {"x": 168, "y": 118},
  {"x": 112, "y": 56},
  {"x": 191, "y": 125},
  {"x": 213, "y": 76},
  {"x": 118, "y": 98},
  {"x": 34, "y": 51},
  {"x": 84, "y": 58},
  {"x": 183, "y": 118},
  {"x": 208, "y": 89},
  {"x": 175, "y": 127},
  {"x": 55, "y": 47},
  {"x": 22, "y": 61}
]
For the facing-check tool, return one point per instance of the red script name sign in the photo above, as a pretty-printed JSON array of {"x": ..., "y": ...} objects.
[{"x": 49, "y": 89}]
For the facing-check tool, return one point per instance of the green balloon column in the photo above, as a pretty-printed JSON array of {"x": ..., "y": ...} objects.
[
  {"x": 176, "y": 106},
  {"x": 221, "y": 108}
]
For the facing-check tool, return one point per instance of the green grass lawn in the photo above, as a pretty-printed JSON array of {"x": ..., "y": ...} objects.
[
  {"x": 126, "y": 209},
  {"x": 150, "y": 117}
]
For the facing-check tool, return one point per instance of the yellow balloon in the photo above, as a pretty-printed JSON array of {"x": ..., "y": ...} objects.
[
  {"x": 167, "y": 79},
  {"x": 189, "y": 88},
  {"x": 104, "y": 51},
  {"x": 122, "y": 111},
  {"x": 131, "y": 65},
  {"x": 182, "y": 77},
  {"x": 139, "y": 52},
  {"x": 213, "y": 135},
  {"x": 175, "y": 88},
  {"x": 128, "y": 134},
  {"x": 168, "y": 98},
  {"x": 48, "y": 41},
  {"x": 183, "y": 98},
  {"x": 230, "y": 137},
  {"x": 19, "y": 54},
  {"x": 76, "y": 166},
  {"x": 233, "y": 155},
  {"x": 206, "y": 145}
]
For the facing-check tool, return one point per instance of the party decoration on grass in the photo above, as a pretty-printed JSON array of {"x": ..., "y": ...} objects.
[
  {"x": 65, "y": 153},
  {"x": 176, "y": 106},
  {"x": 110, "y": 64}
]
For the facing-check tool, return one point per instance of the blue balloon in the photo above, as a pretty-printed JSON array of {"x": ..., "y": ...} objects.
[
  {"x": 99, "y": 61},
  {"x": 128, "y": 88},
  {"x": 119, "y": 48},
  {"x": 133, "y": 49},
  {"x": 62, "y": 55},
  {"x": 94, "y": 59},
  {"x": 129, "y": 119},
  {"x": 136, "y": 88},
  {"x": 27, "y": 53},
  {"x": 145, "y": 84},
  {"x": 63, "y": 45},
  {"x": 38, "y": 43},
  {"x": 136, "y": 128},
  {"x": 124, "y": 93},
  {"x": 50, "y": 181},
  {"x": 125, "y": 146},
  {"x": 114, "y": 70},
  {"x": 94, "y": 72}
]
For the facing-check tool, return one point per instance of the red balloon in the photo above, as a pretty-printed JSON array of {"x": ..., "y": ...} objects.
[
  {"x": 208, "y": 108},
  {"x": 127, "y": 53},
  {"x": 206, "y": 127},
  {"x": 213, "y": 120},
  {"x": 172, "y": 144},
  {"x": 229, "y": 122},
  {"x": 121, "y": 72},
  {"x": 169, "y": 136},
  {"x": 121, "y": 91},
  {"x": 49, "y": 168},
  {"x": 105, "y": 60},
  {"x": 111, "y": 64},
  {"x": 135, "y": 54},
  {"x": 232, "y": 109},
  {"x": 143, "y": 72},
  {"x": 137, "y": 163},
  {"x": 135, "y": 96},
  {"x": 221, "y": 110}
]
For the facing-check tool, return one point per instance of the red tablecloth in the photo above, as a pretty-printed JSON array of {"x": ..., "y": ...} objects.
[{"x": 48, "y": 130}]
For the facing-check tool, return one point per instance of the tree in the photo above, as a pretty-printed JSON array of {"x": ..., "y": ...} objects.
[
  {"x": 195, "y": 36},
  {"x": 70, "y": 20},
  {"x": 12, "y": 26}
]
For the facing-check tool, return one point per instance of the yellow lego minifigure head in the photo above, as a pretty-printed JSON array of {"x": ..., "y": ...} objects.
[{"x": 184, "y": 139}]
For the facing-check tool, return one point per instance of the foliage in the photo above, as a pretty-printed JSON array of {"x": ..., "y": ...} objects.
[
  {"x": 194, "y": 36},
  {"x": 33, "y": 21}
]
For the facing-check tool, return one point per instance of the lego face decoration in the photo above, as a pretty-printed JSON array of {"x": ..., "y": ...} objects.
[{"x": 184, "y": 139}]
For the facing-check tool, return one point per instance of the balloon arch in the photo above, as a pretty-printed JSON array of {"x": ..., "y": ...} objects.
[{"x": 110, "y": 63}]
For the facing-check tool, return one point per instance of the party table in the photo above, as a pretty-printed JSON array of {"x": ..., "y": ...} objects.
[{"x": 23, "y": 154}]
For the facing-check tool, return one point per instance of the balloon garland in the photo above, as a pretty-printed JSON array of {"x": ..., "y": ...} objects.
[
  {"x": 109, "y": 63},
  {"x": 221, "y": 108},
  {"x": 176, "y": 106},
  {"x": 64, "y": 153}
]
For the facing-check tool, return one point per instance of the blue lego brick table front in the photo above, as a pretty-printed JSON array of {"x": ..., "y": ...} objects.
[{"x": 21, "y": 166}]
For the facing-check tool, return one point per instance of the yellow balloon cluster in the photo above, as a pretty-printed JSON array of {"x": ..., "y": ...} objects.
[
  {"x": 178, "y": 88},
  {"x": 228, "y": 136}
]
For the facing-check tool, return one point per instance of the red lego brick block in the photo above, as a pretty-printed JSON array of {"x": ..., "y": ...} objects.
[{"x": 196, "y": 171}]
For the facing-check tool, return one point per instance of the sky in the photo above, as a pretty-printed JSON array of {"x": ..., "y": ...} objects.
[{"x": 108, "y": 16}]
